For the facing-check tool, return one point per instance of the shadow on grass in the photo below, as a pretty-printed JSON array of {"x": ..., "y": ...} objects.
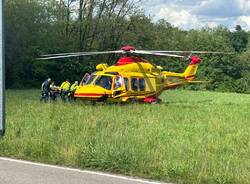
[{"x": 182, "y": 103}]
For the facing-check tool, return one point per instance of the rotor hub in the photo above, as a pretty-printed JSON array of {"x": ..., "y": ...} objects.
[{"x": 128, "y": 48}]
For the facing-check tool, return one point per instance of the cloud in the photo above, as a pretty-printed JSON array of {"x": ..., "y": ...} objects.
[
  {"x": 245, "y": 7},
  {"x": 176, "y": 2},
  {"x": 244, "y": 21},
  {"x": 193, "y": 14},
  {"x": 179, "y": 18},
  {"x": 219, "y": 8}
]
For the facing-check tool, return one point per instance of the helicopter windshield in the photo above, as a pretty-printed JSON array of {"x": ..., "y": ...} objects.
[
  {"x": 90, "y": 79},
  {"x": 104, "y": 81},
  {"x": 85, "y": 79}
]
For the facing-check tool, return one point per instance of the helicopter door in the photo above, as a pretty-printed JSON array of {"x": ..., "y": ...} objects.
[{"x": 119, "y": 87}]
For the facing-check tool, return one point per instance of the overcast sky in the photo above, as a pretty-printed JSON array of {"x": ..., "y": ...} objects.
[{"x": 193, "y": 14}]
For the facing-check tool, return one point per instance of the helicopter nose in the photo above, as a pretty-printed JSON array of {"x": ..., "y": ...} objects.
[{"x": 91, "y": 91}]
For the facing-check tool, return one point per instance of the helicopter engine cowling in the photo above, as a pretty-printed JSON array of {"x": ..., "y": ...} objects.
[{"x": 101, "y": 67}]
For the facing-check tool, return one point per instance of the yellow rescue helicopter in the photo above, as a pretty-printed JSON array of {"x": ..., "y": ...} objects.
[{"x": 132, "y": 78}]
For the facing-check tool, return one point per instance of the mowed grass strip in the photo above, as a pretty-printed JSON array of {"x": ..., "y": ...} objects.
[{"x": 192, "y": 137}]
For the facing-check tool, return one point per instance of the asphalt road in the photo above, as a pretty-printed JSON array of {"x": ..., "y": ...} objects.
[{"x": 24, "y": 172}]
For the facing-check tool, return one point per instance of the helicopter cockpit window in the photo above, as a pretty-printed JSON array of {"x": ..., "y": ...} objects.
[
  {"x": 118, "y": 82},
  {"x": 142, "y": 84},
  {"x": 85, "y": 79},
  {"x": 105, "y": 82},
  {"x": 90, "y": 79},
  {"x": 134, "y": 84}
]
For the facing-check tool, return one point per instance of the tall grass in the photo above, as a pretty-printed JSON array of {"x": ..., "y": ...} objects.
[{"x": 192, "y": 137}]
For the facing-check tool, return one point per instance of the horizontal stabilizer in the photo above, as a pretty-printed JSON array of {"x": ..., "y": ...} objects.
[{"x": 195, "y": 82}]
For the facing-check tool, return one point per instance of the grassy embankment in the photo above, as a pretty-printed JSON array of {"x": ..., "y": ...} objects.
[{"x": 192, "y": 137}]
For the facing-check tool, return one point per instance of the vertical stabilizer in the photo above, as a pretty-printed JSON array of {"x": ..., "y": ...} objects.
[{"x": 192, "y": 68}]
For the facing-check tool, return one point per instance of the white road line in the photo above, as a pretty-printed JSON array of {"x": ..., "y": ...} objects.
[{"x": 83, "y": 171}]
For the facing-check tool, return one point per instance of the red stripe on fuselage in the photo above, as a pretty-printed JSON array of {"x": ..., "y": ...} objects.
[{"x": 88, "y": 95}]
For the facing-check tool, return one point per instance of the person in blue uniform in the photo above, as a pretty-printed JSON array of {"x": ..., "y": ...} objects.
[{"x": 45, "y": 88}]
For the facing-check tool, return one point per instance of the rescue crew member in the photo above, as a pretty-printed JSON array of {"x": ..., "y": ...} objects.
[
  {"x": 45, "y": 90},
  {"x": 73, "y": 88},
  {"x": 54, "y": 90},
  {"x": 65, "y": 90}
]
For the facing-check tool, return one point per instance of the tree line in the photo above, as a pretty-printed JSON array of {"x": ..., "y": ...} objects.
[{"x": 35, "y": 27}]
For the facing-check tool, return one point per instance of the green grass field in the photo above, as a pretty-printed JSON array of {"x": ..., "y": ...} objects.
[{"x": 192, "y": 137}]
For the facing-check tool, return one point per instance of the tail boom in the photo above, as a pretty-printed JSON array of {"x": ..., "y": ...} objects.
[{"x": 173, "y": 80}]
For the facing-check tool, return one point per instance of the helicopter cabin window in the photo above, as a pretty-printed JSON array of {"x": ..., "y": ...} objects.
[
  {"x": 105, "y": 82},
  {"x": 118, "y": 82},
  {"x": 134, "y": 84},
  {"x": 142, "y": 84},
  {"x": 126, "y": 83}
]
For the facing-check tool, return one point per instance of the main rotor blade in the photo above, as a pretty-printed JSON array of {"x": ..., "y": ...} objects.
[
  {"x": 156, "y": 53},
  {"x": 191, "y": 52},
  {"x": 76, "y": 54},
  {"x": 60, "y": 54}
]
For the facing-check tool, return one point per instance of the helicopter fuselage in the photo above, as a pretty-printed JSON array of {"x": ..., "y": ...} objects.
[{"x": 131, "y": 79}]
